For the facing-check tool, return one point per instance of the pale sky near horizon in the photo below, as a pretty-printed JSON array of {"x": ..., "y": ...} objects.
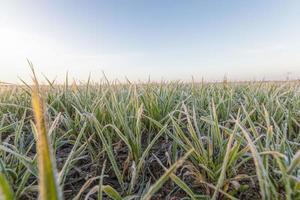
[{"x": 163, "y": 39}]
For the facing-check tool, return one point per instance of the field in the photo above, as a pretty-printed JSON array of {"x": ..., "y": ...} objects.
[{"x": 168, "y": 140}]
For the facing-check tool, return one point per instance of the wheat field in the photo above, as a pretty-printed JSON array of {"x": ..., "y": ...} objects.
[{"x": 166, "y": 140}]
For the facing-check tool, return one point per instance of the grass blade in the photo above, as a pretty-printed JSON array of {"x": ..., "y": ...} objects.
[
  {"x": 48, "y": 186},
  {"x": 5, "y": 190},
  {"x": 158, "y": 184},
  {"x": 111, "y": 192}
]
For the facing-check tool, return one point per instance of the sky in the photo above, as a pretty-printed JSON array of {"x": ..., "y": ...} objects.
[{"x": 160, "y": 39}]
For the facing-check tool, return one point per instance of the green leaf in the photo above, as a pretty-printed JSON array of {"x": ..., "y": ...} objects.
[
  {"x": 48, "y": 186},
  {"x": 5, "y": 190},
  {"x": 111, "y": 192},
  {"x": 159, "y": 183}
]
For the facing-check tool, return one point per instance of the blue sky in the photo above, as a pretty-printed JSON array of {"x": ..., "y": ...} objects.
[{"x": 162, "y": 39}]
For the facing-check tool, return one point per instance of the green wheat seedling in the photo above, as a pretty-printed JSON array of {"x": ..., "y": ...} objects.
[
  {"x": 5, "y": 190},
  {"x": 48, "y": 184}
]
